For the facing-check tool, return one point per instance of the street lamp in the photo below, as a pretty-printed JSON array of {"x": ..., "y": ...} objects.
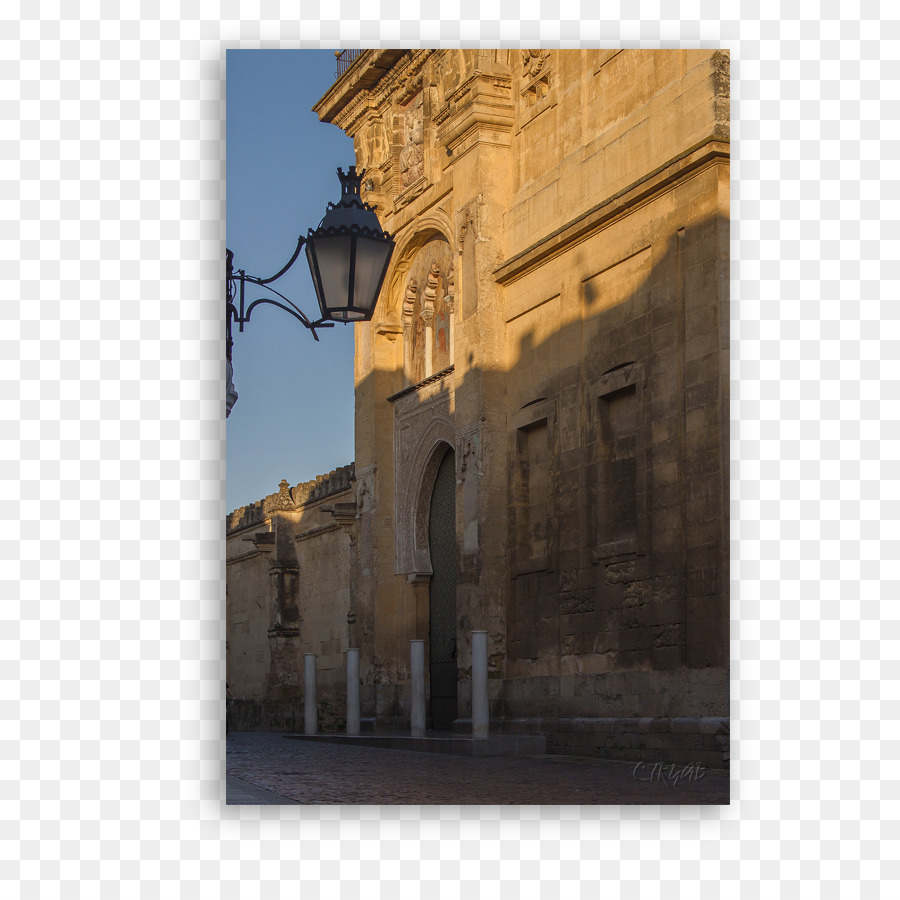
[{"x": 348, "y": 256}]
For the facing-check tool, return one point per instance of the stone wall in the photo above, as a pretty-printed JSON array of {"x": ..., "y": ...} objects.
[
  {"x": 556, "y": 314},
  {"x": 288, "y": 593}
]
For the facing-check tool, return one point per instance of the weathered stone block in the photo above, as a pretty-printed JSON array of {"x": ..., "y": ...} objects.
[{"x": 576, "y": 602}]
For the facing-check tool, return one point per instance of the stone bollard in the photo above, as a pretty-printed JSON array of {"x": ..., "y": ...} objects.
[
  {"x": 417, "y": 659},
  {"x": 353, "y": 692},
  {"x": 310, "y": 710},
  {"x": 480, "y": 709}
]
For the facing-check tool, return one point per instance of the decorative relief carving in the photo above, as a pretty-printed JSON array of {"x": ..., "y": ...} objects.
[
  {"x": 283, "y": 501},
  {"x": 451, "y": 287},
  {"x": 409, "y": 300},
  {"x": 410, "y": 194},
  {"x": 421, "y": 435},
  {"x": 410, "y": 84},
  {"x": 451, "y": 67},
  {"x": 426, "y": 317},
  {"x": 433, "y": 282},
  {"x": 533, "y": 61},
  {"x": 412, "y": 156},
  {"x": 410, "y": 79},
  {"x": 374, "y": 146},
  {"x": 535, "y": 72}
]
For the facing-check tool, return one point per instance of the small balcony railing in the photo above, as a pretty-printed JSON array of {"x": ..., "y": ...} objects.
[{"x": 345, "y": 59}]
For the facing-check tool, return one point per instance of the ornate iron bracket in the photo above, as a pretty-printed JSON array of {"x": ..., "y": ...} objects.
[
  {"x": 236, "y": 309},
  {"x": 235, "y": 297}
]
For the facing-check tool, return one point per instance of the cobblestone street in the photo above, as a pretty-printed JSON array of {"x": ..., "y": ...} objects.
[{"x": 316, "y": 773}]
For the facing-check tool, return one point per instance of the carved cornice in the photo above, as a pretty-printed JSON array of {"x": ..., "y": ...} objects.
[
  {"x": 410, "y": 79},
  {"x": 352, "y": 89},
  {"x": 345, "y": 515},
  {"x": 431, "y": 379},
  {"x": 264, "y": 542},
  {"x": 483, "y": 102},
  {"x": 702, "y": 155},
  {"x": 377, "y": 78}
]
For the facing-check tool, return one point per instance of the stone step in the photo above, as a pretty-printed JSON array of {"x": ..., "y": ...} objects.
[{"x": 453, "y": 744}]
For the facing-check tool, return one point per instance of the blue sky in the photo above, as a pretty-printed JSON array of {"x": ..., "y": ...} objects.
[{"x": 294, "y": 415}]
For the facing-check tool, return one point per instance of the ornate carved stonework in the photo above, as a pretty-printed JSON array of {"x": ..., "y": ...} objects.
[
  {"x": 409, "y": 300},
  {"x": 468, "y": 452},
  {"x": 411, "y": 193},
  {"x": 283, "y": 501},
  {"x": 412, "y": 156},
  {"x": 410, "y": 78},
  {"x": 432, "y": 282},
  {"x": 451, "y": 68},
  {"x": 535, "y": 72},
  {"x": 426, "y": 316},
  {"x": 533, "y": 61},
  {"x": 451, "y": 287},
  {"x": 374, "y": 145},
  {"x": 423, "y": 430}
]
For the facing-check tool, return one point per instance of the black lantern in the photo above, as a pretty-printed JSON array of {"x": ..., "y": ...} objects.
[{"x": 348, "y": 255}]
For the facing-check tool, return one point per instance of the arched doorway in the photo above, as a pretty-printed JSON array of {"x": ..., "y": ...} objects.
[{"x": 442, "y": 595}]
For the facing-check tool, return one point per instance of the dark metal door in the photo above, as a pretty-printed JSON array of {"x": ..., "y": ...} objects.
[{"x": 442, "y": 595}]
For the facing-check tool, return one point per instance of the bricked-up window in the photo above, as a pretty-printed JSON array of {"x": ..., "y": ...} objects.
[
  {"x": 617, "y": 488},
  {"x": 533, "y": 494}
]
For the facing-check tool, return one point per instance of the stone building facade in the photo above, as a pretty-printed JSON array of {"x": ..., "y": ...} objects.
[
  {"x": 288, "y": 592},
  {"x": 541, "y": 398}
]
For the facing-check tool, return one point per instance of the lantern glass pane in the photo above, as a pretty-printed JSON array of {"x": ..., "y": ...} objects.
[
  {"x": 333, "y": 257},
  {"x": 370, "y": 259}
]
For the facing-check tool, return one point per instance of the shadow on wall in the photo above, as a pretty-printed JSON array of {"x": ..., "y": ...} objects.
[
  {"x": 599, "y": 472},
  {"x": 591, "y": 508}
]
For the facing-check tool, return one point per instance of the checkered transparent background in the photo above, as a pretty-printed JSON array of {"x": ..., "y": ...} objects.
[{"x": 112, "y": 441}]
